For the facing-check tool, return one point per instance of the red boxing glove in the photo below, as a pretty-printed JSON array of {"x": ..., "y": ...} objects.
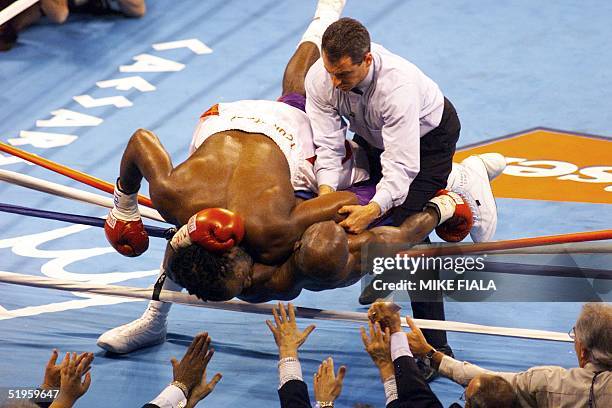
[
  {"x": 123, "y": 227},
  {"x": 456, "y": 219},
  {"x": 215, "y": 229},
  {"x": 129, "y": 238}
]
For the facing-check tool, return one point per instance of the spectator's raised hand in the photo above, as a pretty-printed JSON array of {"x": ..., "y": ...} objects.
[
  {"x": 190, "y": 370},
  {"x": 327, "y": 384},
  {"x": 53, "y": 370},
  {"x": 416, "y": 339},
  {"x": 387, "y": 314},
  {"x": 73, "y": 386},
  {"x": 202, "y": 390},
  {"x": 378, "y": 346},
  {"x": 286, "y": 334}
]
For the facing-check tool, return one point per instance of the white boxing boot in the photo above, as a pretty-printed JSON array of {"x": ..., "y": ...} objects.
[
  {"x": 148, "y": 330},
  {"x": 495, "y": 164},
  {"x": 326, "y": 13},
  {"x": 472, "y": 179}
]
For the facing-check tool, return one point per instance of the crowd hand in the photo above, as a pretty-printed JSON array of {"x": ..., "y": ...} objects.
[
  {"x": 378, "y": 346},
  {"x": 359, "y": 216},
  {"x": 72, "y": 387},
  {"x": 286, "y": 334},
  {"x": 327, "y": 384},
  {"x": 416, "y": 339},
  {"x": 53, "y": 373},
  {"x": 202, "y": 390},
  {"x": 190, "y": 370},
  {"x": 387, "y": 314}
]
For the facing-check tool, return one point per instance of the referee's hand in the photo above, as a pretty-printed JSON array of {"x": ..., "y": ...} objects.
[{"x": 359, "y": 217}]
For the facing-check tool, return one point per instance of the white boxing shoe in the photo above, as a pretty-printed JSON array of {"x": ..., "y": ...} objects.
[
  {"x": 495, "y": 164},
  {"x": 472, "y": 179},
  {"x": 148, "y": 330}
]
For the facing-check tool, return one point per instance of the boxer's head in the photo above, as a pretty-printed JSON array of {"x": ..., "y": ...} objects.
[
  {"x": 346, "y": 53},
  {"x": 322, "y": 252},
  {"x": 210, "y": 276}
]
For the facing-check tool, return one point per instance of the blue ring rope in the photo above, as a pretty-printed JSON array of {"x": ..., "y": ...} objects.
[{"x": 79, "y": 219}]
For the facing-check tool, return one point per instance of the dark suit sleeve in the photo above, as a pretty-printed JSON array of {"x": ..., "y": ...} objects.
[
  {"x": 294, "y": 394},
  {"x": 412, "y": 389},
  {"x": 150, "y": 406}
]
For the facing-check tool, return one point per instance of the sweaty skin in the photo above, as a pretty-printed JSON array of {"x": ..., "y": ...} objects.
[
  {"x": 243, "y": 172},
  {"x": 285, "y": 282}
]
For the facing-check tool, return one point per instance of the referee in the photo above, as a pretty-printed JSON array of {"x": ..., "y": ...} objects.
[{"x": 403, "y": 121}]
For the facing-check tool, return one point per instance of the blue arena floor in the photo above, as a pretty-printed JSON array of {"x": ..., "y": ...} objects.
[{"x": 507, "y": 67}]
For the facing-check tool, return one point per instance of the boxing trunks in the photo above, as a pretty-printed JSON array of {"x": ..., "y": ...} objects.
[{"x": 286, "y": 125}]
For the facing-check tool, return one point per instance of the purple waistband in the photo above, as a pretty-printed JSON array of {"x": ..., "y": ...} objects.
[
  {"x": 294, "y": 99},
  {"x": 364, "y": 194}
]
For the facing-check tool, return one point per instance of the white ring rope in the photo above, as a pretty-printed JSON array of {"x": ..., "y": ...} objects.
[
  {"x": 69, "y": 192},
  {"x": 14, "y": 9},
  {"x": 266, "y": 308}
]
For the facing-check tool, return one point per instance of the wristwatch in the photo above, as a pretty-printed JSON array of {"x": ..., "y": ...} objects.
[
  {"x": 182, "y": 387},
  {"x": 429, "y": 356},
  {"x": 325, "y": 404}
]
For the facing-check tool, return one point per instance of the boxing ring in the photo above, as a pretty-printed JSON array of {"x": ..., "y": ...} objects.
[{"x": 61, "y": 285}]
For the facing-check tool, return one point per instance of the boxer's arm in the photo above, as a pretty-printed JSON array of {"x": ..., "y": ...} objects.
[
  {"x": 414, "y": 229},
  {"x": 279, "y": 235},
  {"x": 145, "y": 157},
  {"x": 322, "y": 208}
]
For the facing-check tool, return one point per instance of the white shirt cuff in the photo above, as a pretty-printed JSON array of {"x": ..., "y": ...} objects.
[
  {"x": 447, "y": 366},
  {"x": 329, "y": 178},
  {"x": 289, "y": 369},
  {"x": 390, "y": 390},
  {"x": 384, "y": 200},
  {"x": 399, "y": 345},
  {"x": 171, "y": 397}
]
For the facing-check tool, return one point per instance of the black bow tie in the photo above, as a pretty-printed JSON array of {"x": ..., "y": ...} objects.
[{"x": 357, "y": 91}]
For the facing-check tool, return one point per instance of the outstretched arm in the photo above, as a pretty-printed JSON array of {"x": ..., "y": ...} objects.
[
  {"x": 322, "y": 208},
  {"x": 413, "y": 230},
  {"x": 282, "y": 233}
]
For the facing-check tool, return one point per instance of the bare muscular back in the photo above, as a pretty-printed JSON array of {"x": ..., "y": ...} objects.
[{"x": 244, "y": 172}]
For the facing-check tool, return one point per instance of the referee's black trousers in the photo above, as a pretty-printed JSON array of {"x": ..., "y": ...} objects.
[{"x": 437, "y": 150}]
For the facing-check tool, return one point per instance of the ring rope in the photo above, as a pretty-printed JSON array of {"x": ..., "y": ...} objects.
[
  {"x": 481, "y": 247},
  {"x": 69, "y": 192},
  {"x": 68, "y": 172},
  {"x": 266, "y": 308},
  {"x": 490, "y": 266},
  {"x": 14, "y": 9},
  {"x": 553, "y": 249},
  {"x": 79, "y": 219}
]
